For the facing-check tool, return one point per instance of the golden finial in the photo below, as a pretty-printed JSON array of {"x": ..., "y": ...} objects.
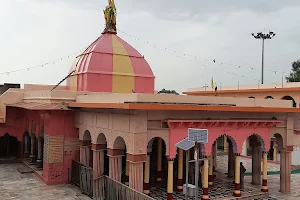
[{"x": 110, "y": 14}]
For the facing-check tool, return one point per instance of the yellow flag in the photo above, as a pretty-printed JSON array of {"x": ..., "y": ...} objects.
[{"x": 212, "y": 83}]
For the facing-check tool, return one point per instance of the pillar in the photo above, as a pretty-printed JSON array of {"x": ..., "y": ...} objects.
[
  {"x": 115, "y": 163},
  {"x": 237, "y": 190},
  {"x": 205, "y": 179},
  {"x": 136, "y": 171},
  {"x": 32, "y": 152},
  {"x": 225, "y": 144},
  {"x": 265, "y": 173},
  {"x": 98, "y": 168},
  {"x": 26, "y": 145},
  {"x": 275, "y": 153},
  {"x": 127, "y": 173},
  {"x": 159, "y": 161},
  {"x": 39, "y": 161},
  {"x": 147, "y": 175},
  {"x": 180, "y": 171},
  {"x": 256, "y": 164},
  {"x": 285, "y": 169},
  {"x": 210, "y": 172},
  {"x": 215, "y": 151},
  {"x": 231, "y": 162},
  {"x": 170, "y": 179},
  {"x": 85, "y": 152}
]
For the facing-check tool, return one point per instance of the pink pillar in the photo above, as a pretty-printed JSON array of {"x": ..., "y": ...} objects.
[
  {"x": 136, "y": 171},
  {"x": 85, "y": 152},
  {"x": 98, "y": 169},
  {"x": 231, "y": 159},
  {"x": 285, "y": 169},
  {"x": 256, "y": 164},
  {"x": 115, "y": 163}
]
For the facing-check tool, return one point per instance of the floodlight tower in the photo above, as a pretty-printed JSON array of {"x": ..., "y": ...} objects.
[{"x": 263, "y": 37}]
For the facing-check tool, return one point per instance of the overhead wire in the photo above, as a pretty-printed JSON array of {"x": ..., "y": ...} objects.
[{"x": 212, "y": 61}]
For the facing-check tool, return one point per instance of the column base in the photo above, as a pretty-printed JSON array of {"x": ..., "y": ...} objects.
[
  {"x": 39, "y": 164},
  {"x": 264, "y": 187},
  {"x": 205, "y": 194},
  {"x": 32, "y": 159},
  {"x": 146, "y": 188},
  {"x": 170, "y": 196},
  {"x": 237, "y": 191},
  {"x": 210, "y": 180},
  {"x": 237, "y": 194},
  {"x": 264, "y": 190},
  {"x": 159, "y": 177},
  {"x": 127, "y": 180},
  {"x": 179, "y": 185}
]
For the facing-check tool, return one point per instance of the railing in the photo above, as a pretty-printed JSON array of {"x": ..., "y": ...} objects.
[{"x": 108, "y": 189}]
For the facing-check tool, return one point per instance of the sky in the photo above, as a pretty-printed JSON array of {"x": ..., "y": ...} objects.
[{"x": 187, "y": 36}]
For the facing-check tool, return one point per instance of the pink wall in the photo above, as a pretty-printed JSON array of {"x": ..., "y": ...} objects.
[
  {"x": 59, "y": 123},
  {"x": 239, "y": 135}
]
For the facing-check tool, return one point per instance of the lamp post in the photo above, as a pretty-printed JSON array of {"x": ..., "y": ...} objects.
[{"x": 263, "y": 37}]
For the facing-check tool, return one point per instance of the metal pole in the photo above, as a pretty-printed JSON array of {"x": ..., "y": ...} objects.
[
  {"x": 262, "y": 61},
  {"x": 197, "y": 170},
  {"x": 187, "y": 155}
]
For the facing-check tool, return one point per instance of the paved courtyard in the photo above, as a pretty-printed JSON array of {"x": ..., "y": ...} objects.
[
  {"x": 224, "y": 187},
  {"x": 14, "y": 185}
]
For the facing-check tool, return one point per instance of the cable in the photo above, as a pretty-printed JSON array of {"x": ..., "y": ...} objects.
[
  {"x": 42, "y": 65},
  {"x": 214, "y": 61}
]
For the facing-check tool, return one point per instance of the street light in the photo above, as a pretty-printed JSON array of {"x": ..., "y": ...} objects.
[{"x": 263, "y": 36}]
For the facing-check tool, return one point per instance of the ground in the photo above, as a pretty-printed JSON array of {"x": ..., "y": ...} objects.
[
  {"x": 14, "y": 185},
  {"x": 224, "y": 187}
]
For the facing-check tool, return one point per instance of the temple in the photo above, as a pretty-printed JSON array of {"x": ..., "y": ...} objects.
[{"x": 108, "y": 120}]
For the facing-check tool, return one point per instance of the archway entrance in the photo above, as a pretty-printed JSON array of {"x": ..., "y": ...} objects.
[{"x": 9, "y": 146}]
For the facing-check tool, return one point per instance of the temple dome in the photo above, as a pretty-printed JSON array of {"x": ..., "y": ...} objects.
[{"x": 110, "y": 64}]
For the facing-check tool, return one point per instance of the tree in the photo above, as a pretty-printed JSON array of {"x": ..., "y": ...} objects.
[
  {"x": 295, "y": 74},
  {"x": 164, "y": 91}
]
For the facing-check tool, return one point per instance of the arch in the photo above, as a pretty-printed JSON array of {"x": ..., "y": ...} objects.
[
  {"x": 279, "y": 139},
  {"x": 101, "y": 139},
  {"x": 119, "y": 143},
  {"x": 151, "y": 141},
  {"x": 269, "y": 97},
  {"x": 290, "y": 98},
  {"x": 251, "y": 97},
  {"x": 261, "y": 140},
  {"x": 86, "y": 135},
  {"x": 231, "y": 139}
]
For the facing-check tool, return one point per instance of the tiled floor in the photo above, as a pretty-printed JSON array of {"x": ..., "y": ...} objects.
[
  {"x": 224, "y": 187},
  {"x": 14, "y": 185}
]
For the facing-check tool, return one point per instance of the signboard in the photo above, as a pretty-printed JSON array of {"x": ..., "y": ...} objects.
[
  {"x": 53, "y": 149},
  {"x": 46, "y": 148},
  {"x": 198, "y": 135}
]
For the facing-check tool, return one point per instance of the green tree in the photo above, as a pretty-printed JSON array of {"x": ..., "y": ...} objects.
[
  {"x": 295, "y": 73},
  {"x": 164, "y": 91}
]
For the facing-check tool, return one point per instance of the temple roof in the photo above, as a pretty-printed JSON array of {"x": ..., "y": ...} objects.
[{"x": 110, "y": 64}]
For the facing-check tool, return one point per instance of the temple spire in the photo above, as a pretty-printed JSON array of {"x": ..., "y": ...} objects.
[{"x": 110, "y": 14}]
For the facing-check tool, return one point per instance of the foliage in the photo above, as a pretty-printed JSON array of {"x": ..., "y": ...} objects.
[
  {"x": 164, "y": 91},
  {"x": 295, "y": 74}
]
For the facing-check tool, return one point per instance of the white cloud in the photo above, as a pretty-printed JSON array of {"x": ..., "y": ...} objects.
[{"x": 38, "y": 31}]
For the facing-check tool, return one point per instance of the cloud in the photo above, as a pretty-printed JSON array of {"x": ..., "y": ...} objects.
[{"x": 200, "y": 9}]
